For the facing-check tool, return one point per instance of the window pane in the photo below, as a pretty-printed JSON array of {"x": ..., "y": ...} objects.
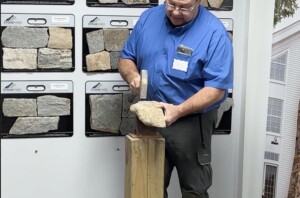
[
  {"x": 274, "y": 115},
  {"x": 278, "y": 66},
  {"x": 270, "y": 181}
]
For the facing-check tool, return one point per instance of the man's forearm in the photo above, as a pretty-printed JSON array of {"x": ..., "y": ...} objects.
[
  {"x": 128, "y": 70},
  {"x": 201, "y": 100}
]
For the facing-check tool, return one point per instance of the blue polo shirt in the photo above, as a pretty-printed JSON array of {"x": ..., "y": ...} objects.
[{"x": 174, "y": 75}]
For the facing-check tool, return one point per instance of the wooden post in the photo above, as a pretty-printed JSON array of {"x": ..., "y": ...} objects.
[{"x": 144, "y": 166}]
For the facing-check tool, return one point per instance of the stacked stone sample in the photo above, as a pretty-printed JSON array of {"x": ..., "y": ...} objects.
[
  {"x": 225, "y": 106},
  {"x": 19, "y": 58},
  {"x": 104, "y": 48},
  {"x": 32, "y": 48},
  {"x": 35, "y": 115},
  {"x": 110, "y": 113},
  {"x": 149, "y": 113},
  {"x": 212, "y": 3},
  {"x": 13, "y": 107},
  {"x": 33, "y": 125},
  {"x": 215, "y": 3}
]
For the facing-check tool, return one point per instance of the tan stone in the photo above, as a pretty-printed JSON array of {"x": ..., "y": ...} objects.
[
  {"x": 148, "y": 113},
  {"x": 19, "y": 58},
  {"x": 215, "y": 3},
  {"x": 60, "y": 38},
  {"x": 99, "y": 61},
  {"x": 204, "y": 3}
]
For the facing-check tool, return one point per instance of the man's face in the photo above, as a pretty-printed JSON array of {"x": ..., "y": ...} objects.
[{"x": 181, "y": 12}]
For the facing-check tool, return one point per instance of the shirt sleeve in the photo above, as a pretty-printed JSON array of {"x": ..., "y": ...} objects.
[
  {"x": 129, "y": 50},
  {"x": 218, "y": 71}
]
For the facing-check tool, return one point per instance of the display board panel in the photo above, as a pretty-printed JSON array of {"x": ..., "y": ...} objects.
[
  {"x": 37, "y": 42},
  {"x": 40, "y": 2},
  {"x": 32, "y": 109},
  {"x": 107, "y": 109},
  {"x": 103, "y": 39}
]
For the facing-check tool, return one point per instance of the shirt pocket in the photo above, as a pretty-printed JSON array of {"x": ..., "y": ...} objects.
[{"x": 184, "y": 67}]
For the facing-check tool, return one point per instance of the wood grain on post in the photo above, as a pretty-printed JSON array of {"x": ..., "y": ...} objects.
[{"x": 144, "y": 166}]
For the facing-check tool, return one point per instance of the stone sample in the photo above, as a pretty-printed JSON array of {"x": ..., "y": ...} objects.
[
  {"x": 149, "y": 114},
  {"x": 128, "y": 125},
  {"x": 215, "y": 3},
  {"x": 98, "y": 61},
  {"x": 54, "y": 58},
  {"x": 108, "y": 1},
  {"x": 130, "y": 2},
  {"x": 95, "y": 41},
  {"x": 60, "y": 38},
  {"x": 114, "y": 59},
  {"x": 225, "y": 106},
  {"x": 32, "y": 125},
  {"x": 128, "y": 100},
  {"x": 106, "y": 112},
  {"x": 19, "y": 58},
  {"x": 24, "y": 37},
  {"x": 204, "y": 3},
  {"x": 49, "y": 105},
  {"x": 230, "y": 36},
  {"x": 114, "y": 39},
  {"x": 14, "y": 107}
]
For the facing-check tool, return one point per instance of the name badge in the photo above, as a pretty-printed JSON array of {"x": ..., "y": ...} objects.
[{"x": 180, "y": 65}]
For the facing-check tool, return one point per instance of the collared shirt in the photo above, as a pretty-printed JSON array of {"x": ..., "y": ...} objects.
[{"x": 181, "y": 60}]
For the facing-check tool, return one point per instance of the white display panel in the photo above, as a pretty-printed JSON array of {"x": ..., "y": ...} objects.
[{"x": 80, "y": 166}]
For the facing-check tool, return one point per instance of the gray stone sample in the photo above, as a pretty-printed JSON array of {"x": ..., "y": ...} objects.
[
  {"x": 128, "y": 100},
  {"x": 225, "y": 106},
  {"x": 95, "y": 41},
  {"x": 230, "y": 36},
  {"x": 114, "y": 39},
  {"x": 130, "y": 2},
  {"x": 24, "y": 37},
  {"x": 215, "y": 3},
  {"x": 106, "y": 112},
  {"x": 54, "y": 58},
  {"x": 49, "y": 105},
  {"x": 32, "y": 125},
  {"x": 149, "y": 114},
  {"x": 98, "y": 61},
  {"x": 114, "y": 59},
  {"x": 128, "y": 125},
  {"x": 108, "y": 1},
  {"x": 15, "y": 107},
  {"x": 19, "y": 58},
  {"x": 60, "y": 38}
]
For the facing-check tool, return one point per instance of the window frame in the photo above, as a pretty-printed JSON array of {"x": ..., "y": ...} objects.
[
  {"x": 283, "y": 53},
  {"x": 275, "y": 116},
  {"x": 275, "y": 179}
]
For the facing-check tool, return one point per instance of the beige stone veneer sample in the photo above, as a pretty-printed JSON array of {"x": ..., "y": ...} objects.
[{"x": 148, "y": 113}]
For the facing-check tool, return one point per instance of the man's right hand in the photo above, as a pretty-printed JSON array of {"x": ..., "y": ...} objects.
[{"x": 135, "y": 84}]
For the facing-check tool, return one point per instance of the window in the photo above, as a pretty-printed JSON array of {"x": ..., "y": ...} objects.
[
  {"x": 278, "y": 66},
  {"x": 274, "y": 115},
  {"x": 270, "y": 181}
]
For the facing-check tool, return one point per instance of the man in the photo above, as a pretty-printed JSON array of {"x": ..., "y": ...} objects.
[{"x": 188, "y": 55}]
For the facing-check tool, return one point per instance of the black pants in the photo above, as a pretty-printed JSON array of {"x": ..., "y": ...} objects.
[{"x": 188, "y": 149}]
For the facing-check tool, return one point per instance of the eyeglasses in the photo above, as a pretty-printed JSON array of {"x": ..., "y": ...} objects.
[{"x": 182, "y": 10}]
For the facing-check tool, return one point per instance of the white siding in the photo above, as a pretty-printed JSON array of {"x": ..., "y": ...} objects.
[{"x": 290, "y": 111}]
